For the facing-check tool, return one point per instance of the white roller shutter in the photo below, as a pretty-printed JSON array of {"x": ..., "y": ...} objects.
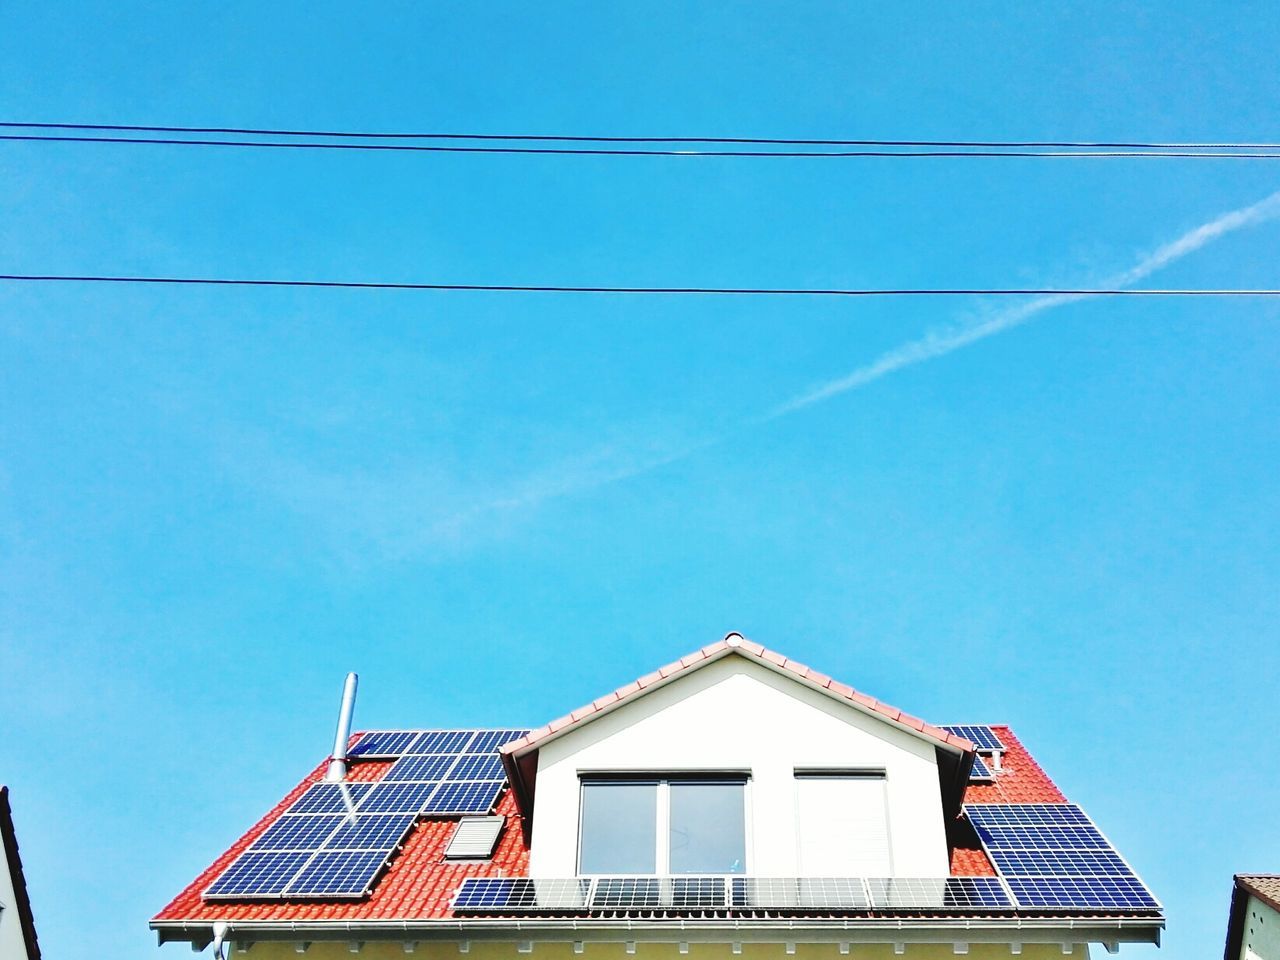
[{"x": 843, "y": 826}]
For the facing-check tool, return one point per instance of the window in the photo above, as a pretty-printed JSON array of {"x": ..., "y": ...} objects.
[
  {"x": 663, "y": 826},
  {"x": 843, "y": 827}
]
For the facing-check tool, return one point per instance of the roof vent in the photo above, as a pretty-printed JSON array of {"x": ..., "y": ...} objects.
[{"x": 475, "y": 838}]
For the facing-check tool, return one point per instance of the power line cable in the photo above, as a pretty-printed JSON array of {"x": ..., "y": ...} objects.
[
  {"x": 730, "y": 291},
  {"x": 776, "y": 141},
  {"x": 641, "y": 152}
]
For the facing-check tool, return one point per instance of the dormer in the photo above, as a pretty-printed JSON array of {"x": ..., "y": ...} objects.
[{"x": 738, "y": 762}]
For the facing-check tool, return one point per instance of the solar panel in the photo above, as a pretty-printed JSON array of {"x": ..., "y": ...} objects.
[
  {"x": 980, "y": 770},
  {"x": 306, "y": 831},
  {"x": 939, "y": 893},
  {"x": 462, "y": 796},
  {"x": 522, "y": 895},
  {"x": 1040, "y": 838},
  {"x": 421, "y": 767},
  {"x": 442, "y": 741},
  {"x": 979, "y": 734},
  {"x": 1026, "y": 815},
  {"x": 397, "y": 798},
  {"x": 329, "y": 798},
  {"x": 1059, "y": 863},
  {"x": 478, "y": 767},
  {"x": 656, "y": 893},
  {"x": 340, "y": 874},
  {"x": 800, "y": 893},
  {"x": 383, "y": 743},
  {"x": 257, "y": 875},
  {"x": 371, "y": 831},
  {"x": 1081, "y": 893},
  {"x": 1053, "y": 857},
  {"x": 487, "y": 741}
]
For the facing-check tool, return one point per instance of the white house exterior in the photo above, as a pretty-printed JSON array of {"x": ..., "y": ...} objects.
[
  {"x": 1253, "y": 929},
  {"x": 17, "y": 926}
]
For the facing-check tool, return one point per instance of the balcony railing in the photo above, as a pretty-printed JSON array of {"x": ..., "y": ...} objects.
[{"x": 585, "y": 896}]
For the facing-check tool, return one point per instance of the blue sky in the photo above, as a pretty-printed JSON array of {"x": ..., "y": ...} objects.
[{"x": 213, "y": 503}]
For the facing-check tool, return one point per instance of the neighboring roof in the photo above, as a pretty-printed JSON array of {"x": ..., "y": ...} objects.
[
  {"x": 1266, "y": 888},
  {"x": 23, "y": 905},
  {"x": 734, "y": 643}
]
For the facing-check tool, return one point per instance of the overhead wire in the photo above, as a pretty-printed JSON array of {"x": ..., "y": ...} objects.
[
  {"x": 660, "y": 290},
  {"x": 577, "y": 138},
  {"x": 641, "y": 152}
]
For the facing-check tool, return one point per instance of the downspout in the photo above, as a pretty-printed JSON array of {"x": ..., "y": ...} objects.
[
  {"x": 220, "y": 930},
  {"x": 337, "y": 771}
]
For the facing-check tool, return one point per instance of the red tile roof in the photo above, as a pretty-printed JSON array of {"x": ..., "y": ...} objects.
[
  {"x": 420, "y": 883},
  {"x": 1020, "y": 780}
]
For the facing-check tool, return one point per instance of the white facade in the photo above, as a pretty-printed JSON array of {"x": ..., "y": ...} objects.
[
  {"x": 13, "y": 945},
  {"x": 735, "y": 715}
]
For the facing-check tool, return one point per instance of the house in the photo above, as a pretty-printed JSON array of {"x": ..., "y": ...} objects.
[
  {"x": 17, "y": 926},
  {"x": 734, "y": 802},
  {"x": 1253, "y": 927}
]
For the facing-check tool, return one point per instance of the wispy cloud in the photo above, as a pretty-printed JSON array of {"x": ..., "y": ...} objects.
[
  {"x": 939, "y": 343},
  {"x": 413, "y": 510}
]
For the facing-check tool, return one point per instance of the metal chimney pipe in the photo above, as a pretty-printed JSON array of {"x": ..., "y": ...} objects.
[{"x": 337, "y": 771}]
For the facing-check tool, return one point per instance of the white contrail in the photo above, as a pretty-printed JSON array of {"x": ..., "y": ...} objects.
[{"x": 945, "y": 341}]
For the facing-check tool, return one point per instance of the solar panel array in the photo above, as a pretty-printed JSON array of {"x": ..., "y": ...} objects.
[
  {"x": 980, "y": 770},
  {"x": 335, "y": 840},
  {"x": 609, "y": 895},
  {"x": 1053, "y": 858}
]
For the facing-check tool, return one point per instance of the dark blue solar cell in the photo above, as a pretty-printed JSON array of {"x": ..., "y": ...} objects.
[
  {"x": 372, "y": 831},
  {"x": 442, "y": 741},
  {"x": 487, "y": 741},
  {"x": 426, "y": 767},
  {"x": 1042, "y": 838},
  {"x": 1059, "y": 863},
  {"x": 341, "y": 874},
  {"x": 980, "y": 770},
  {"x": 298, "y": 832},
  {"x": 478, "y": 767},
  {"x": 1026, "y": 815},
  {"x": 256, "y": 875},
  {"x": 329, "y": 798},
  {"x": 383, "y": 743},
  {"x": 521, "y": 895},
  {"x": 396, "y": 798},
  {"x": 1082, "y": 893},
  {"x": 979, "y": 734},
  {"x": 463, "y": 796}
]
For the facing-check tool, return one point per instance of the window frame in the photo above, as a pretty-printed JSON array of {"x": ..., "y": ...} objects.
[{"x": 662, "y": 818}]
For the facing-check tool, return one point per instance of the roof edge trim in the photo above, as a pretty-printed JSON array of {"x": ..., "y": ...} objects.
[{"x": 736, "y": 643}]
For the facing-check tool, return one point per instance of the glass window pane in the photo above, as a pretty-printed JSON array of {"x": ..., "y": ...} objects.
[
  {"x": 619, "y": 828},
  {"x": 708, "y": 828}
]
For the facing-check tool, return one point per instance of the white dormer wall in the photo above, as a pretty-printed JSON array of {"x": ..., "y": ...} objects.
[{"x": 737, "y": 715}]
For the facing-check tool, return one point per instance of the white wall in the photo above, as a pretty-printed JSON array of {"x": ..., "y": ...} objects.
[
  {"x": 1261, "y": 940},
  {"x": 12, "y": 944},
  {"x": 735, "y": 714}
]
